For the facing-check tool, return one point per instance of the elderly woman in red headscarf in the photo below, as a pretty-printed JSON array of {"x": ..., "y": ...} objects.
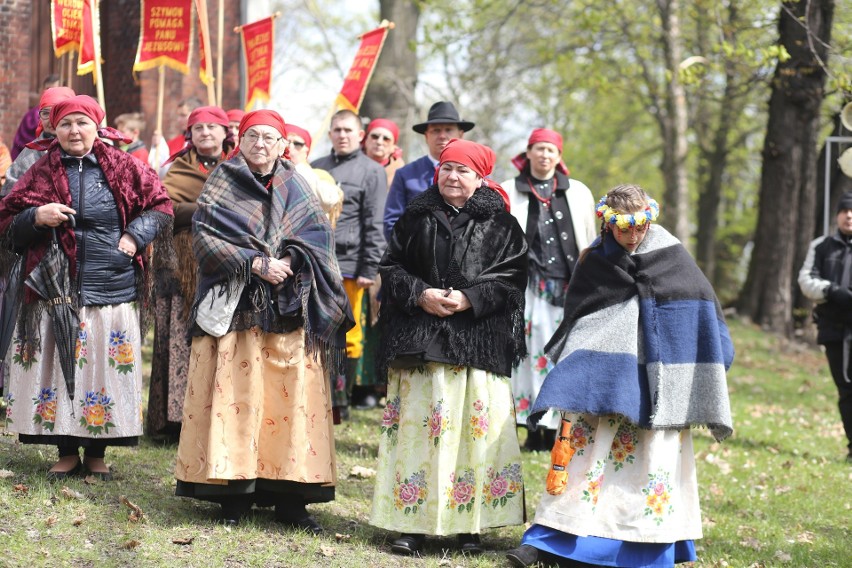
[
  {"x": 208, "y": 142},
  {"x": 35, "y": 150},
  {"x": 268, "y": 324},
  {"x": 118, "y": 207},
  {"x": 452, "y": 329}
]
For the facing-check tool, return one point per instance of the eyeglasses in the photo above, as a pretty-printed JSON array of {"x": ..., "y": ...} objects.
[
  {"x": 376, "y": 136},
  {"x": 44, "y": 113},
  {"x": 297, "y": 145},
  {"x": 267, "y": 140}
]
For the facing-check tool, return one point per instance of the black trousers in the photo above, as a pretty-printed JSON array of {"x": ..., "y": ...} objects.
[
  {"x": 95, "y": 450},
  {"x": 834, "y": 354}
]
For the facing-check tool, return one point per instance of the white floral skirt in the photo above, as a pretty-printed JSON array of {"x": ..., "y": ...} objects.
[
  {"x": 449, "y": 460},
  {"x": 108, "y": 379},
  {"x": 626, "y": 483},
  {"x": 541, "y": 318}
]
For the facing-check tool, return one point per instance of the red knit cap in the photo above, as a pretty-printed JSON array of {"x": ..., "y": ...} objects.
[
  {"x": 207, "y": 115},
  {"x": 477, "y": 157},
  {"x": 384, "y": 123},
  {"x": 81, "y": 103},
  {"x": 53, "y": 95},
  {"x": 236, "y": 114},
  {"x": 300, "y": 132},
  {"x": 264, "y": 117},
  {"x": 545, "y": 135}
]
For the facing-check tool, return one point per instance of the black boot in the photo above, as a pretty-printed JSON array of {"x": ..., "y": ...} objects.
[{"x": 534, "y": 441}]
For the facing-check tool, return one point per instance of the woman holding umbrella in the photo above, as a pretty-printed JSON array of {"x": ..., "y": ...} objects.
[{"x": 101, "y": 207}]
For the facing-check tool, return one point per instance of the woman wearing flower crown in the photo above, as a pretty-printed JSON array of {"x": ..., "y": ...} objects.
[{"x": 642, "y": 356}]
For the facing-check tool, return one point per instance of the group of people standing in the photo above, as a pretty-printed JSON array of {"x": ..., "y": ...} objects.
[{"x": 501, "y": 304}]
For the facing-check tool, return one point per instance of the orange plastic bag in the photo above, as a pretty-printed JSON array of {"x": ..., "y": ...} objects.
[{"x": 560, "y": 456}]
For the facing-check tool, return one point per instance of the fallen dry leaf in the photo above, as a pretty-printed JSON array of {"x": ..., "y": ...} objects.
[
  {"x": 361, "y": 472},
  {"x": 136, "y": 514},
  {"x": 751, "y": 542},
  {"x": 130, "y": 544},
  {"x": 806, "y": 537},
  {"x": 78, "y": 520},
  {"x": 21, "y": 488},
  {"x": 326, "y": 551},
  {"x": 183, "y": 541},
  {"x": 51, "y": 520},
  {"x": 341, "y": 537},
  {"x": 781, "y": 489},
  {"x": 5, "y": 474},
  {"x": 71, "y": 494},
  {"x": 783, "y": 556}
]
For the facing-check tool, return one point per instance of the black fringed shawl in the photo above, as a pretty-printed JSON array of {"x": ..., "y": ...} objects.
[{"x": 487, "y": 261}]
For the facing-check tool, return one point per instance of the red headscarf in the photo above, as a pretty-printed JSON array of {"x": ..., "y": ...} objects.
[
  {"x": 477, "y": 157},
  {"x": 300, "y": 132},
  {"x": 55, "y": 94},
  {"x": 384, "y": 123},
  {"x": 207, "y": 115},
  {"x": 83, "y": 104},
  {"x": 264, "y": 117},
  {"x": 541, "y": 135},
  {"x": 235, "y": 114}
]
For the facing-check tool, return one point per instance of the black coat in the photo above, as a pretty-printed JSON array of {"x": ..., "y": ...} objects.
[{"x": 483, "y": 253}]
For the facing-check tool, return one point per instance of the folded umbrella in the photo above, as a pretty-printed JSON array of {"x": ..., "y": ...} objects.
[
  {"x": 10, "y": 299},
  {"x": 50, "y": 279}
]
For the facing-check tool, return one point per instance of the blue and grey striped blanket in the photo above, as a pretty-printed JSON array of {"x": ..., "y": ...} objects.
[{"x": 643, "y": 336}]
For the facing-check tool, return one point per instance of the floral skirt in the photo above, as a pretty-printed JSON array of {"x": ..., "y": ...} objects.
[
  {"x": 541, "y": 319},
  {"x": 256, "y": 407},
  {"x": 168, "y": 366},
  {"x": 627, "y": 484},
  {"x": 107, "y": 401},
  {"x": 449, "y": 460}
]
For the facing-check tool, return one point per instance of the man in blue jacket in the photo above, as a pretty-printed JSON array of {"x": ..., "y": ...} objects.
[{"x": 442, "y": 125}]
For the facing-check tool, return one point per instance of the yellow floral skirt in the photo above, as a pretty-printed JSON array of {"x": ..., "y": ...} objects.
[
  {"x": 107, "y": 402},
  {"x": 449, "y": 460},
  {"x": 256, "y": 408}
]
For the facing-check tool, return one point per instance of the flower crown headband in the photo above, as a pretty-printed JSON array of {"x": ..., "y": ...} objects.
[{"x": 622, "y": 221}]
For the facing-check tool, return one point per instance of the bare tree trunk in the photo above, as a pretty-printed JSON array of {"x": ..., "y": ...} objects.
[
  {"x": 391, "y": 90},
  {"x": 787, "y": 197},
  {"x": 676, "y": 202}
]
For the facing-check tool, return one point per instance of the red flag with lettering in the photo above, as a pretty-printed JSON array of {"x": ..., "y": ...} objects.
[
  {"x": 258, "y": 44},
  {"x": 89, "y": 29},
  {"x": 355, "y": 84},
  {"x": 65, "y": 19},
  {"x": 165, "y": 35}
]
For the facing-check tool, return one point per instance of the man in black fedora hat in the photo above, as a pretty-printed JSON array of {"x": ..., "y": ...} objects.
[{"x": 442, "y": 125}]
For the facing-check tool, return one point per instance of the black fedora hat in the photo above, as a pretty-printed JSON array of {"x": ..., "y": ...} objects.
[{"x": 442, "y": 112}]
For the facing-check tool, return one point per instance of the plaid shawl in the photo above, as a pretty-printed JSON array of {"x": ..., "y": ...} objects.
[
  {"x": 238, "y": 219},
  {"x": 643, "y": 336}
]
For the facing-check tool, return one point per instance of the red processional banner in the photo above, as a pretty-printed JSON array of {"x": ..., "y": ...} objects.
[
  {"x": 165, "y": 35},
  {"x": 258, "y": 45},
  {"x": 89, "y": 30},
  {"x": 65, "y": 19},
  {"x": 203, "y": 42},
  {"x": 355, "y": 84}
]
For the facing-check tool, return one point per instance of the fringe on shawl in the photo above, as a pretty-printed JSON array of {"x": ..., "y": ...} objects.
[{"x": 176, "y": 270}]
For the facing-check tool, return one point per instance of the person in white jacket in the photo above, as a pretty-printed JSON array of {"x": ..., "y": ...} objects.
[{"x": 557, "y": 213}]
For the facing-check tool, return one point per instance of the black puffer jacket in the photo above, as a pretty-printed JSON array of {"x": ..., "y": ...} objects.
[
  {"x": 105, "y": 275},
  {"x": 481, "y": 252}
]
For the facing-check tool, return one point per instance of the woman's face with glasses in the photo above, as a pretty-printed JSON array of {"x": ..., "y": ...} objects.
[
  {"x": 379, "y": 144},
  {"x": 298, "y": 149},
  {"x": 261, "y": 145}
]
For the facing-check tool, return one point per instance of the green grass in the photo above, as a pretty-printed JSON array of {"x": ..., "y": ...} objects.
[{"x": 775, "y": 494}]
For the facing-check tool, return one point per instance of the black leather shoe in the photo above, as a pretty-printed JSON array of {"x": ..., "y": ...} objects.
[
  {"x": 307, "y": 524},
  {"x": 470, "y": 544},
  {"x": 409, "y": 544},
  {"x": 73, "y": 472},
  {"x": 523, "y": 556}
]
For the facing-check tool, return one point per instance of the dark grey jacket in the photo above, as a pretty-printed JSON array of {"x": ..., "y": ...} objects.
[
  {"x": 359, "y": 241},
  {"x": 105, "y": 275}
]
